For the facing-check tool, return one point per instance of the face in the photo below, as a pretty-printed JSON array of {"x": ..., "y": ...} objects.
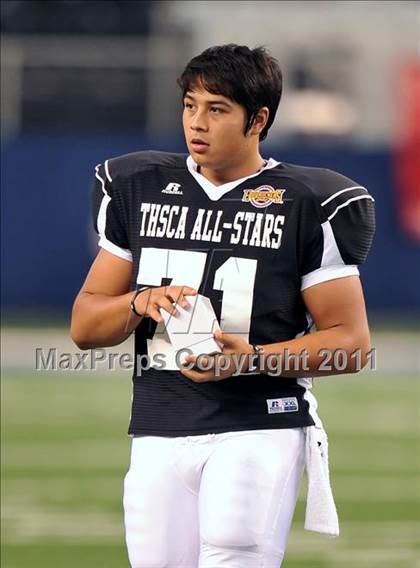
[{"x": 214, "y": 130}]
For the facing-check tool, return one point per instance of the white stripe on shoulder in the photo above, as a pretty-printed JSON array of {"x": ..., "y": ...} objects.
[
  {"x": 115, "y": 250},
  {"x": 342, "y": 191},
  {"x": 108, "y": 175},
  {"x": 326, "y": 273},
  {"x": 101, "y": 224},
  {"x": 347, "y": 202},
  {"x": 100, "y": 179}
]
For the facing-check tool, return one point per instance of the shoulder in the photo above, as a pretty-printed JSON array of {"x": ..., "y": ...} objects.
[
  {"x": 130, "y": 165},
  {"x": 322, "y": 183},
  {"x": 328, "y": 190}
]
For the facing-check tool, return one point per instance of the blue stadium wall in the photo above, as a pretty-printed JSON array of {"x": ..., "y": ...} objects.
[{"x": 48, "y": 243}]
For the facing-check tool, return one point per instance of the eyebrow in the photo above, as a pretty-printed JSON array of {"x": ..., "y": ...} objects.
[{"x": 212, "y": 102}]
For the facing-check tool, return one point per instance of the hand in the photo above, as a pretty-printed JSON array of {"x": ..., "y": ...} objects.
[
  {"x": 151, "y": 300},
  {"x": 234, "y": 359}
]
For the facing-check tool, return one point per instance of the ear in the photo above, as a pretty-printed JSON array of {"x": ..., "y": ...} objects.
[{"x": 260, "y": 121}]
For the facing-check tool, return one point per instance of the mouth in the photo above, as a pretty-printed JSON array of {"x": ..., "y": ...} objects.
[{"x": 198, "y": 145}]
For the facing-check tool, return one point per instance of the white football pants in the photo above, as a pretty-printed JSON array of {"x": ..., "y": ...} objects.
[{"x": 212, "y": 501}]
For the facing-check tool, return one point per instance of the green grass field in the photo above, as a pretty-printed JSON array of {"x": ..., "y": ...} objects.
[{"x": 65, "y": 452}]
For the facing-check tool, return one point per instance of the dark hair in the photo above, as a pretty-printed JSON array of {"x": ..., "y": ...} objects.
[{"x": 250, "y": 77}]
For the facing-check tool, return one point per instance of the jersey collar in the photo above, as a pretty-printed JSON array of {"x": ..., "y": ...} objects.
[{"x": 215, "y": 192}]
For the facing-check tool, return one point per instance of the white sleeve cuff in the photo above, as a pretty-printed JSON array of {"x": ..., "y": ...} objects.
[
  {"x": 114, "y": 249},
  {"x": 326, "y": 273}
]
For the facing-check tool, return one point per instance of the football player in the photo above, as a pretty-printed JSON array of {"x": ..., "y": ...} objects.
[{"x": 218, "y": 454}]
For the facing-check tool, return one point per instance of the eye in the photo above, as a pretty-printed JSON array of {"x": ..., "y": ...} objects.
[
  {"x": 188, "y": 105},
  {"x": 216, "y": 109}
]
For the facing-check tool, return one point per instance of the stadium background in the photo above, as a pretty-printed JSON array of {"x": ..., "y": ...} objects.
[{"x": 86, "y": 80}]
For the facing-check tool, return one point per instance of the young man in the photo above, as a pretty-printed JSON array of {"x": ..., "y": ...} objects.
[{"x": 217, "y": 455}]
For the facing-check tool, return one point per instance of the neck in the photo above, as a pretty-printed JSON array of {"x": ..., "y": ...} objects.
[{"x": 233, "y": 171}]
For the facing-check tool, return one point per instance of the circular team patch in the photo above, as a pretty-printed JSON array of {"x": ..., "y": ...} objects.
[{"x": 263, "y": 196}]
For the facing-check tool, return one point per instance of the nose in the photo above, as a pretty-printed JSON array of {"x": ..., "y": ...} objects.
[{"x": 199, "y": 122}]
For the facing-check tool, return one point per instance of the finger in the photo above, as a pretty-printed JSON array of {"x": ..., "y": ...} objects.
[
  {"x": 201, "y": 363},
  {"x": 205, "y": 363},
  {"x": 155, "y": 314},
  {"x": 228, "y": 339},
  {"x": 218, "y": 335},
  {"x": 178, "y": 293},
  {"x": 173, "y": 294},
  {"x": 198, "y": 376},
  {"x": 223, "y": 366},
  {"x": 188, "y": 291},
  {"x": 222, "y": 361},
  {"x": 180, "y": 298},
  {"x": 167, "y": 305},
  {"x": 190, "y": 359}
]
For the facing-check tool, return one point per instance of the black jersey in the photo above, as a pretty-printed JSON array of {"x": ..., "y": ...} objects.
[{"x": 251, "y": 246}]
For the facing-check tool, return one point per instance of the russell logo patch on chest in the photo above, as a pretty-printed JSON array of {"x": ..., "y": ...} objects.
[
  {"x": 282, "y": 405},
  {"x": 263, "y": 196}
]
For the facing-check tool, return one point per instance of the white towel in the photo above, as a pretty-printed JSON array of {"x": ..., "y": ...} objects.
[{"x": 321, "y": 513}]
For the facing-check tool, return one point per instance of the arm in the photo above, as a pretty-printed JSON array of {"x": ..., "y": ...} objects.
[
  {"x": 338, "y": 310},
  {"x": 102, "y": 315}
]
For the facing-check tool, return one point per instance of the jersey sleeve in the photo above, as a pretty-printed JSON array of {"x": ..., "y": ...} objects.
[
  {"x": 107, "y": 212},
  {"x": 341, "y": 230}
]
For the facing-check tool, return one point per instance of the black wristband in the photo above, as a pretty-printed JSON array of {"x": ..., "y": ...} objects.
[
  {"x": 133, "y": 299},
  {"x": 258, "y": 350}
]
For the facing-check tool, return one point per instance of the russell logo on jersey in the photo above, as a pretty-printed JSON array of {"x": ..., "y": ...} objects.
[
  {"x": 263, "y": 196},
  {"x": 173, "y": 189},
  {"x": 282, "y": 405}
]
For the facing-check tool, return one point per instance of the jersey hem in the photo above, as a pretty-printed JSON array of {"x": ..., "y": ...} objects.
[{"x": 308, "y": 421}]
